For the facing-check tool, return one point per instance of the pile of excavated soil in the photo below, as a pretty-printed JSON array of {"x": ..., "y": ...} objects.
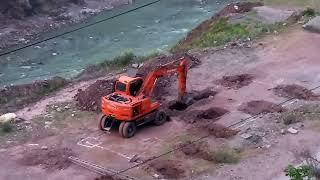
[
  {"x": 219, "y": 131},
  {"x": 295, "y": 91},
  {"x": 242, "y": 7},
  {"x": 168, "y": 169},
  {"x": 198, "y": 150},
  {"x": 236, "y": 81},
  {"x": 90, "y": 98},
  {"x": 257, "y": 107},
  {"x": 203, "y": 116},
  {"x": 51, "y": 159},
  {"x": 106, "y": 177},
  {"x": 13, "y": 98}
]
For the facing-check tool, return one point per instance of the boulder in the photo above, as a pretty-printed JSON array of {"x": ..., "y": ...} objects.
[
  {"x": 313, "y": 25},
  {"x": 9, "y": 117}
]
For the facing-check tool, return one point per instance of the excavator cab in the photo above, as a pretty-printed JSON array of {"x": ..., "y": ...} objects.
[{"x": 128, "y": 85}]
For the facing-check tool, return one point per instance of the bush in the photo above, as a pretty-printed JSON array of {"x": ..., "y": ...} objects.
[
  {"x": 226, "y": 156},
  {"x": 6, "y": 127},
  {"x": 299, "y": 173},
  {"x": 309, "y": 12}
]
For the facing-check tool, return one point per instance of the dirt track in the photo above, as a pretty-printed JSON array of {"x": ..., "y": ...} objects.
[{"x": 280, "y": 60}]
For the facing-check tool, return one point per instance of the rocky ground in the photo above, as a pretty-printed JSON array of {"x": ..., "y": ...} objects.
[
  {"x": 255, "y": 111},
  {"x": 24, "y": 21}
]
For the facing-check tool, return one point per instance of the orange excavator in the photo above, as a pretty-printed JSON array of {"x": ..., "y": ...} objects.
[{"x": 131, "y": 105}]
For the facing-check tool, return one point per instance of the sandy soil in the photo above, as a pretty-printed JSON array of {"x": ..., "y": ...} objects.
[{"x": 278, "y": 59}]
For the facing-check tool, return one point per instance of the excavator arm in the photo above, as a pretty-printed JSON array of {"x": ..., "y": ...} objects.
[{"x": 180, "y": 67}]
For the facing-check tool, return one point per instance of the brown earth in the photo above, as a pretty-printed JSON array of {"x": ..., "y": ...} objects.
[
  {"x": 108, "y": 178},
  {"x": 198, "y": 150},
  {"x": 219, "y": 131},
  {"x": 168, "y": 169},
  {"x": 261, "y": 106},
  {"x": 236, "y": 81},
  {"x": 51, "y": 159},
  {"x": 13, "y": 98},
  {"x": 205, "y": 25},
  {"x": 90, "y": 98},
  {"x": 295, "y": 91},
  {"x": 202, "y": 116}
]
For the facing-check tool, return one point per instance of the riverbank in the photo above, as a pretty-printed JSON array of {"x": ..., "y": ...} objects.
[
  {"x": 21, "y": 23},
  {"x": 255, "y": 109}
]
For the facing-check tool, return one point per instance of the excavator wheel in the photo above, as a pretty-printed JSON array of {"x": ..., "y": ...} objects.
[
  {"x": 128, "y": 129},
  {"x": 121, "y": 128},
  {"x": 102, "y": 123},
  {"x": 160, "y": 118}
]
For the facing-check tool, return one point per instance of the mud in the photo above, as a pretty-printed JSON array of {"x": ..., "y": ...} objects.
[
  {"x": 197, "y": 150},
  {"x": 295, "y": 91},
  {"x": 13, "y": 98},
  {"x": 243, "y": 7},
  {"x": 51, "y": 159},
  {"x": 204, "y": 94},
  {"x": 90, "y": 98},
  {"x": 236, "y": 81},
  {"x": 258, "y": 107},
  {"x": 219, "y": 131},
  {"x": 168, "y": 169}
]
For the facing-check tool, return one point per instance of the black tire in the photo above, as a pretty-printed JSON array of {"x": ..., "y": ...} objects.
[
  {"x": 121, "y": 128},
  {"x": 102, "y": 123},
  {"x": 160, "y": 118},
  {"x": 129, "y": 129}
]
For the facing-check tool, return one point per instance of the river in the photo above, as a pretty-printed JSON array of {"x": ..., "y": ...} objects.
[{"x": 154, "y": 28}]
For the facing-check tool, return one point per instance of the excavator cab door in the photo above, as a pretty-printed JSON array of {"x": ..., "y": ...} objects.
[{"x": 135, "y": 86}]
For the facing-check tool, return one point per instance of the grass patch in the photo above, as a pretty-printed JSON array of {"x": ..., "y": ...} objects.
[
  {"x": 125, "y": 59},
  {"x": 223, "y": 32},
  {"x": 226, "y": 156},
  {"x": 220, "y": 33}
]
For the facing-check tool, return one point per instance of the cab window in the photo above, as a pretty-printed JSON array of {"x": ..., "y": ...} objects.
[{"x": 120, "y": 86}]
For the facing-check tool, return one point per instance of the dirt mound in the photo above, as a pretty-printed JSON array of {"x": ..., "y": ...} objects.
[
  {"x": 219, "y": 131},
  {"x": 204, "y": 94},
  {"x": 13, "y": 98},
  {"x": 212, "y": 113},
  {"x": 108, "y": 178},
  {"x": 257, "y": 107},
  {"x": 90, "y": 98},
  {"x": 295, "y": 91},
  {"x": 198, "y": 150},
  {"x": 236, "y": 81},
  {"x": 168, "y": 169},
  {"x": 51, "y": 159},
  {"x": 204, "y": 26},
  {"x": 203, "y": 116}
]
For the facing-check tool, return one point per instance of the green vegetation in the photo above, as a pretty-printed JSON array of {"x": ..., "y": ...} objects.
[
  {"x": 6, "y": 127},
  {"x": 220, "y": 33},
  {"x": 223, "y": 32},
  {"x": 227, "y": 156},
  {"x": 309, "y": 12},
  {"x": 299, "y": 173}
]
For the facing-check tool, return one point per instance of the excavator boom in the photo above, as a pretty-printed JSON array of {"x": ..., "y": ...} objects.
[{"x": 180, "y": 67}]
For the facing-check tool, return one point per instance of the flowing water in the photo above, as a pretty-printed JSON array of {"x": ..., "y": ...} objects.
[{"x": 154, "y": 28}]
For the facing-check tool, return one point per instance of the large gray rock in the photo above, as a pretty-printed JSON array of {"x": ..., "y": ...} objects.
[{"x": 313, "y": 25}]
